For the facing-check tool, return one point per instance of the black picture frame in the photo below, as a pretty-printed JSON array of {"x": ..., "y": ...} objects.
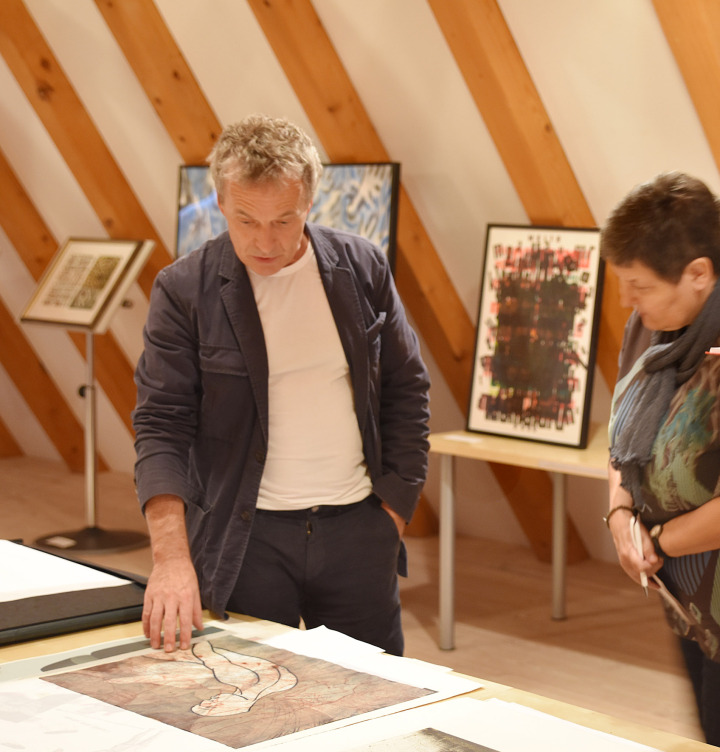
[
  {"x": 360, "y": 198},
  {"x": 537, "y": 329}
]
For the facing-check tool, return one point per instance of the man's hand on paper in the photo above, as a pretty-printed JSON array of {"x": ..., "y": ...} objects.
[{"x": 172, "y": 597}]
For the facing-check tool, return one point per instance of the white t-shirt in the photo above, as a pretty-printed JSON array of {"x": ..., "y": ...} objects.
[{"x": 315, "y": 447}]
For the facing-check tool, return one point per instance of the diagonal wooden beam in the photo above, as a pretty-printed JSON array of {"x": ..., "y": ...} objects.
[
  {"x": 328, "y": 96},
  {"x": 40, "y": 393},
  {"x": 692, "y": 29},
  {"x": 8, "y": 446},
  {"x": 510, "y": 105},
  {"x": 171, "y": 87},
  {"x": 165, "y": 75},
  {"x": 505, "y": 95},
  {"x": 36, "y": 246},
  {"x": 61, "y": 111},
  {"x": 46, "y": 86}
]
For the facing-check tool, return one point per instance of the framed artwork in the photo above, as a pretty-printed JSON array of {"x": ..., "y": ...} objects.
[
  {"x": 199, "y": 217},
  {"x": 359, "y": 198},
  {"x": 536, "y": 336},
  {"x": 86, "y": 281}
]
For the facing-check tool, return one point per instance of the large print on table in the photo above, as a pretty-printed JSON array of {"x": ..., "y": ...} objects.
[
  {"x": 235, "y": 691},
  {"x": 359, "y": 198},
  {"x": 537, "y": 334}
]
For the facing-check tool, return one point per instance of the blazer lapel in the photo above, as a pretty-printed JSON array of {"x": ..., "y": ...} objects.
[
  {"x": 345, "y": 305},
  {"x": 237, "y": 296}
]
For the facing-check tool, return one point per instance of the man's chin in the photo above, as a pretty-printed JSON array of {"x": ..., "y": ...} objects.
[{"x": 264, "y": 268}]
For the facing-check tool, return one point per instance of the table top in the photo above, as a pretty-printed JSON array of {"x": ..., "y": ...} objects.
[
  {"x": 590, "y": 462},
  {"x": 626, "y": 729},
  {"x": 652, "y": 737}
]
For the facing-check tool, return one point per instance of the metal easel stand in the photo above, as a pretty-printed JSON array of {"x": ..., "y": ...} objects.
[{"x": 92, "y": 539}]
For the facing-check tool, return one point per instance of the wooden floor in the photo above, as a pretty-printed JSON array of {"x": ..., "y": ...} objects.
[{"x": 613, "y": 653}]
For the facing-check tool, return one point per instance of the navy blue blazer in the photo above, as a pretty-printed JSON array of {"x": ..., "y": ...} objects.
[{"x": 201, "y": 420}]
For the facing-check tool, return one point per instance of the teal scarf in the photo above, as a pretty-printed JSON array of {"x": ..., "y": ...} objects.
[{"x": 671, "y": 359}]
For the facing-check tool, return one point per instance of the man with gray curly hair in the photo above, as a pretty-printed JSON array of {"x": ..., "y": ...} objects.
[
  {"x": 261, "y": 149},
  {"x": 281, "y": 421}
]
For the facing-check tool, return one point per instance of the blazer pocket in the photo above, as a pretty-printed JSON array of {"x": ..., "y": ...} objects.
[
  {"x": 218, "y": 359},
  {"x": 226, "y": 398},
  {"x": 373, "y": 331}
]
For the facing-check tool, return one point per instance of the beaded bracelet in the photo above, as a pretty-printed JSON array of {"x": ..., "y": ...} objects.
[{"x": 615, "y": 509}]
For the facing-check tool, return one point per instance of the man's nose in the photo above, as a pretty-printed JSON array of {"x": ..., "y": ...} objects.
[{"x": 264, "y": 239}]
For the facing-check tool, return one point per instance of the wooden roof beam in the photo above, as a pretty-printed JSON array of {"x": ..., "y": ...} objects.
[
  {"x": 40, "y": 393},
  {"x": 344, "y": 130},
  {"x": 8, "y": 446},
  {"x": 510, "y": 105},
  {"x": 165, "y": 76},
  {"x": 343, "y": 126},
  {"x": 58, "y": 106},
  {"x": 505, "y": 96},
  {"x": 692, "y": 29}
]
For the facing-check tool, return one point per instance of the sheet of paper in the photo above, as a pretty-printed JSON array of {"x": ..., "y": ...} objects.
[
  {"x": 333, "y": 646},
  {"x": 469, "y": 725},
  {"x": 322, "y": 642},
  {"x": 37, "y": 573},
  {"x": 352, "y": 698},
  {"x": 516, "y": 728},
  {"x": 42, "y": 717}
]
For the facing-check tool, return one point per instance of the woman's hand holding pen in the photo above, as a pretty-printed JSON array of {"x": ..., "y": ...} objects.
[{"x": 635, "y": 560}]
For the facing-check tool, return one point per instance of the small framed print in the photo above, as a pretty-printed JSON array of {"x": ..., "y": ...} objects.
[
  {"x": 537, "y": 334},
  {"x": 86, "y": 281}
]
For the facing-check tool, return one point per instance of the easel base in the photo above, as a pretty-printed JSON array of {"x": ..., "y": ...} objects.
[{"x": 93, "y": 539}]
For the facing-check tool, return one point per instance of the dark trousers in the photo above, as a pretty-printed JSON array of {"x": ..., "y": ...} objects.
[
  {"x": 331, "y": 566},
  {"x": 705, "y": 677}
]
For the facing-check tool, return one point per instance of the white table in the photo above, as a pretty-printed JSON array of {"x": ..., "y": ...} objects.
[
  {"x": 624, "y": 729},
  {"x": 559, "y": 461}
]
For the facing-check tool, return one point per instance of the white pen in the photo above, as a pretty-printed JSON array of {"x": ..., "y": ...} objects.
[{"x": 637, "y": 542}]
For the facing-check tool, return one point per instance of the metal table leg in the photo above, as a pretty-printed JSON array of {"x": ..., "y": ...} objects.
[
  {"x": 447, "y": 553},
  {"x": 559, "y": 546}
]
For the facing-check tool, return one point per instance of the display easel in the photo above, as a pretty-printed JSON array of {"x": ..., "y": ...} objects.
[{"x": 81, "y": 289}]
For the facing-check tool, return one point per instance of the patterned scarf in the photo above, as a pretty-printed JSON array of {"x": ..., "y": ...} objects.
[{"x": 671, "y": 359}]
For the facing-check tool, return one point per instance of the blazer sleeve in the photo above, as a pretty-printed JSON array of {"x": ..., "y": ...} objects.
[{"x": 167, "y": 378}]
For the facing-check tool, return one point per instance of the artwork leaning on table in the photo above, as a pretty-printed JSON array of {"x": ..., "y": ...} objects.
[{"x": 536, "y": 341}]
